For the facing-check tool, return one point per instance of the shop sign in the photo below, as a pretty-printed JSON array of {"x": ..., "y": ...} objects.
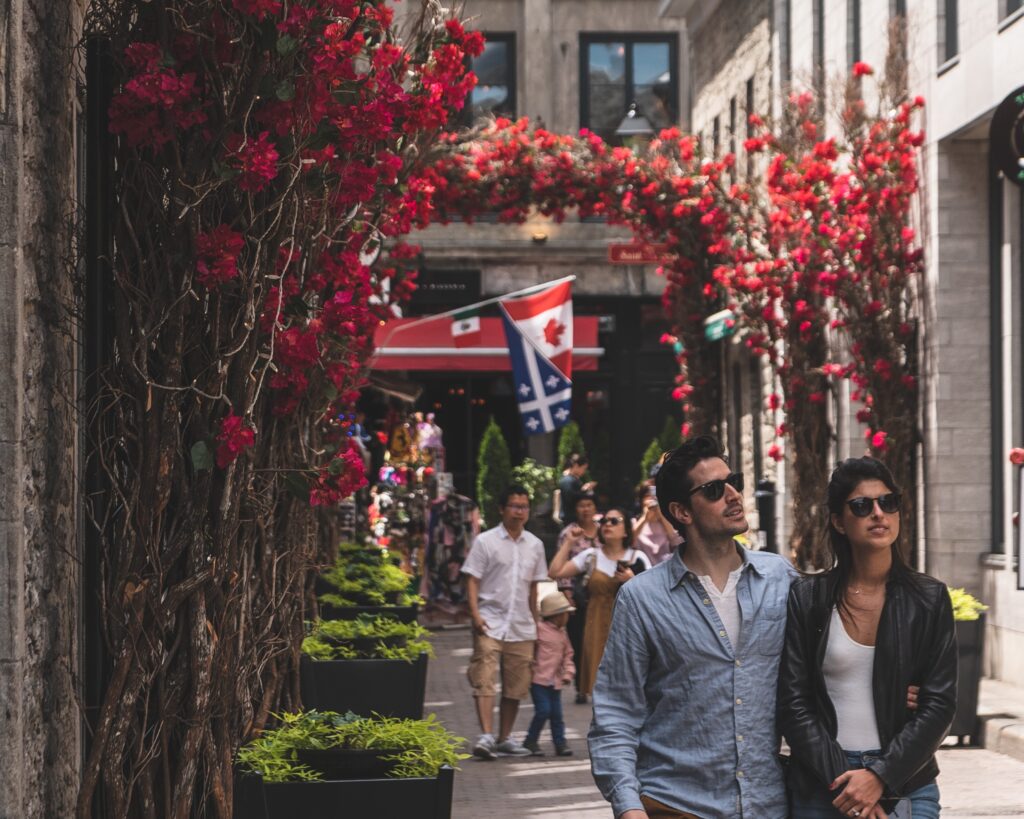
[
  {"x": 638, "y": 253},
  {"x": 719, "y": 325},
  {"x": 447, "y": 287}
]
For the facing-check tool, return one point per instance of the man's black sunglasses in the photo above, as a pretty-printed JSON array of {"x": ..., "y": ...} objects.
[
  {"x": 714, "y": 490},
  {"x": 888, "y": 503}
]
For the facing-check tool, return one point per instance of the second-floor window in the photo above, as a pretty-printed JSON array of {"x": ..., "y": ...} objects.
[
  {"x": 949, "y": 27},
  {"x": 618, "y": 70},
  {"x": 495, "y": 91}
]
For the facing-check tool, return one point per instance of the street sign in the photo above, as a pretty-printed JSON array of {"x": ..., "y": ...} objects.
[
  {"x": 638, "y": 253},
  {"x": 719, "y": 325}
]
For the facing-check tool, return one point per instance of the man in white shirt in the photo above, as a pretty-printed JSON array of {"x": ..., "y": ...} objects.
[{"x": 502, "y": 571}]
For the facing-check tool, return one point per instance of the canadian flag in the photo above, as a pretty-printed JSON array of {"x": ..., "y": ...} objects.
[{"x": 545, "y": 321}]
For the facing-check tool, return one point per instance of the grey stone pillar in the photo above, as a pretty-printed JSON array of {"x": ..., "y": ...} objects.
[{"x": 536, "y": 81}]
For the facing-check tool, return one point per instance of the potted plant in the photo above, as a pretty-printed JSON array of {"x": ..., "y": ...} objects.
[
  {"x": 365, "y": 580},
  {"x": 372, "y": 665},
  {"x": 969, "y": 617},
  {"x": 283, "y": 770}
]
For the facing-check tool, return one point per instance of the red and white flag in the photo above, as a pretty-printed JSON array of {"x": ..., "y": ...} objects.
[{"x": 545, "y": 321}]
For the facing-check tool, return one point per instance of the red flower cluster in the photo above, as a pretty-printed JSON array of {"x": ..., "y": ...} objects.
[
  {"x": 156, "y": 102},
  {"x": 342, "y": 476},
  {"x": 234, "y": 437},
  {"x": 254, "y": 158},
  {"x": 260, "y": 9},
  {"x": 217, "y": 253}
]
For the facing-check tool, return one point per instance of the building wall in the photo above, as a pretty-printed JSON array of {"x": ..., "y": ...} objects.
[{"x": 40, "y": 720}]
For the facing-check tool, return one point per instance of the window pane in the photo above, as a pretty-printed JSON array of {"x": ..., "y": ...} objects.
[
  {"x": 652, "y": 79},
  {"x": 607, "y": 75},
  {"x": 493, "y": 90}
]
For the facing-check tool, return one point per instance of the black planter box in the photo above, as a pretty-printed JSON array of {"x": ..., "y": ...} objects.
[
  {"x": 970, "y": 638},
  {"x": 391, "y": 688},
  {"x": 423, "y": 798},
  {"x": 404, "y": 614}
]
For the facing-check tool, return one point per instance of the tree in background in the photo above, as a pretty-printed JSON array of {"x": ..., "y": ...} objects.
[
  {"x": 493, "y": 472},
  {"x": 669, "y": 437},
  {"x": 570, "y": 442},
  {"x": 539, "y": 481},
  {"x": 650, "y": 457}
]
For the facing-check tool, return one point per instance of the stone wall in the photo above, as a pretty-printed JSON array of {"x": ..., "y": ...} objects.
[{"x": 39, "y": 579}]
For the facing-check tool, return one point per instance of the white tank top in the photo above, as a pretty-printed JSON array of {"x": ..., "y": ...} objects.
[{"x": 847, "y": 670}]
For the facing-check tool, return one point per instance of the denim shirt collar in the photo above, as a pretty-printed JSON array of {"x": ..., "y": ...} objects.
[{"x": 678, "y": 569}]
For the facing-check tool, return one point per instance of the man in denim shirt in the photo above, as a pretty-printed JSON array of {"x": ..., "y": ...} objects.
[{"x": 684, "y": 706}]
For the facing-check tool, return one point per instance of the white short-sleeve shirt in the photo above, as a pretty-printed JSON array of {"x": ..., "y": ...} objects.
[{"x": 506, "y": 568}]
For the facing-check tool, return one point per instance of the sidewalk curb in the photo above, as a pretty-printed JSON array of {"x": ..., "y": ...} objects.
[{"x": 1003, "y": 734}]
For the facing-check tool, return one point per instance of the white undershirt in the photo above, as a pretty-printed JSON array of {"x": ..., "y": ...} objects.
[
  {"x": 726, "y": 603},
  {"x": 847, "y": 668}
]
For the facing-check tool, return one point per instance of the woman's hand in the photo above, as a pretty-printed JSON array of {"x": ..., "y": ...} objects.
[
  {"x": 622, "y": 575},
  {"x": 861, "y": 790},
  {"x": 575, "y": 533}
]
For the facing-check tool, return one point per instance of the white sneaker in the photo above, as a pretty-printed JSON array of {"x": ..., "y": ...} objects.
[
  {"x": 484, "y": 748},
  {"x": 510, "y": 747}
]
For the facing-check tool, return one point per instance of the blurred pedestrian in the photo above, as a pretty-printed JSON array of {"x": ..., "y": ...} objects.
[
  {"x": 503, "y": 568},
  {"x": 553, "y": 668},
  {"x": 684, "y": 705},
  {"x": 857, "y": 636},
  {"x": 655, "y": 536},
  {"x": 575, "y": 587},
  {"x": 606, "y": 568},
  {"x": 570, "y": 487}
]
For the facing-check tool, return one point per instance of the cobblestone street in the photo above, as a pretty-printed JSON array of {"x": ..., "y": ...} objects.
[{"x": 975, "y": 783}]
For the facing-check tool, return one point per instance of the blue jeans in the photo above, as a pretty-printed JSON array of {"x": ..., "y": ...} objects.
[
  {"x": 920, "y": 804},
  {"x": 547, "y": 705}
]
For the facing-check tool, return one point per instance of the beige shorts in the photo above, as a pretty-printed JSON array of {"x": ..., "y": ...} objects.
[{"x": 515, "y": 659}]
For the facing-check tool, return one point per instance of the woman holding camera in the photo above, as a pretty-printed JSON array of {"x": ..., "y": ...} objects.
[
  {"x": 604, "y": 569},
  {"x": 858, "y": 636}
]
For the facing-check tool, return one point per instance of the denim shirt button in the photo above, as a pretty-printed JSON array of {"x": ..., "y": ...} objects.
[{"x": 739, "y": 700}]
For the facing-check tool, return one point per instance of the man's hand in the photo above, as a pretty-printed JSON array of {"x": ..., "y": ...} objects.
[
  {"x": 912, "y": 692},
  {"x": 861, "y": 790},
  {"x": 479, "y": 625},
  {"x": 635, "y": 814}
]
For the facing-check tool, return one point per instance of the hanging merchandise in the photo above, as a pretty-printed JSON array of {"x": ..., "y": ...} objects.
[{"x": 454, "y": 522}]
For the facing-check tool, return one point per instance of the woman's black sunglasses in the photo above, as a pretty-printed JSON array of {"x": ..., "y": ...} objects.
[
  {"x": 611, "y": 521},
  {"x": 714, "y": 490},
  {"x": 888, "y": 503}
]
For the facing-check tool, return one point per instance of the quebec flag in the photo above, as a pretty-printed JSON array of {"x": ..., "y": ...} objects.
[{"x": 543, "y": 390}]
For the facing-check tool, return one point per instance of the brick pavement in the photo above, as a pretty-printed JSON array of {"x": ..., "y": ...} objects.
[{"x": 975, "y": 783}]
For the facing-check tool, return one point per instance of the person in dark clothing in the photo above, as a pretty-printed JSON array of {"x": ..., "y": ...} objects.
[
  {"x": 571, "y": 486},
  {"x": 856, "y": 637}
]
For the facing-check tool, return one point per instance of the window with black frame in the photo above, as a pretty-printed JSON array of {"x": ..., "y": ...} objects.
[
  {"x": 617, "y": 70},
  {"x": 495, "y": 69}
]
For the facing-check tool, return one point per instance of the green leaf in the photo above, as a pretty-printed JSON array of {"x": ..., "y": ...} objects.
[
  {"x": 336, "y": 466},
  {"x": 297, "y": 485},
  {"x": 202, "y": 456},
  {"x": 285, "y": 90},
  {"x": 287, "y": 45}
]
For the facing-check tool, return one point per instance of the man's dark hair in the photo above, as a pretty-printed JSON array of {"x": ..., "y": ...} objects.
[
  {"x": 673, "y": 482},
  {"x": 509, "y": 491},
  {"x": 576, "y": 460},
  {"x": 585, "y": 496}
]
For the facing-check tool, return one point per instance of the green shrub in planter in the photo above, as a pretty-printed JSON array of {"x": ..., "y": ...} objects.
[
  {"x": 418, "y": 748},
  {"x": 367, "y": 638},
  {"x": 357, "y": 580}
]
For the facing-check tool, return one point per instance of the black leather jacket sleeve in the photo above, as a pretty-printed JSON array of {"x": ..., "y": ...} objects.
[
  {"x": 922, "y": 735},
  {"x": 798, "y": 715}
]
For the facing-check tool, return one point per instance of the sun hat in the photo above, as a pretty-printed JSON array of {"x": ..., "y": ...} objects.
[{"x": 555, "y": 603}]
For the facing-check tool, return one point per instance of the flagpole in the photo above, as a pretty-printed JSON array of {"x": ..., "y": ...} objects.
[{"x": 477, "y": 306}]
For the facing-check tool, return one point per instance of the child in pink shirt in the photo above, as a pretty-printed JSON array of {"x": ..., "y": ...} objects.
[{"x": 552, "y": 669}]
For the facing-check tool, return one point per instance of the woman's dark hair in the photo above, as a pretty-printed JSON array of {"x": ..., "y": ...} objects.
[
  {"x": 576, "y": 460},
  {"x": 627, "y": 525},
  {"x": 845, "y": 478},
  {"x": 673, "y": 482},
  {"x": 585, "y": 496}
]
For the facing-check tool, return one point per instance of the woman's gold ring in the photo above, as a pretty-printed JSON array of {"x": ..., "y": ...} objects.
[{"x": 855, "y": 813}]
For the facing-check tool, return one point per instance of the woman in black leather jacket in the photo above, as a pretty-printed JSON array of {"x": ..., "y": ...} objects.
[{"x": 857, "y": 637}]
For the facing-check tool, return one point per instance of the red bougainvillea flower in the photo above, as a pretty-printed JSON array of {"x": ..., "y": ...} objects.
[
  {"x": 339, "y": 479},
  {"x": 775, "y": 452},
  {"x": 1017, "y": 456},
  {"x": 156, "y": 101},
  {"x": 234, "y": 438},
  {"x": 260, "y": 9},
  {"x": 217, "y": 254},
  {"x": 862, "y": 69},
  {"x": 878, "y": 440},
  {"x": 256, "y": 159}
]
